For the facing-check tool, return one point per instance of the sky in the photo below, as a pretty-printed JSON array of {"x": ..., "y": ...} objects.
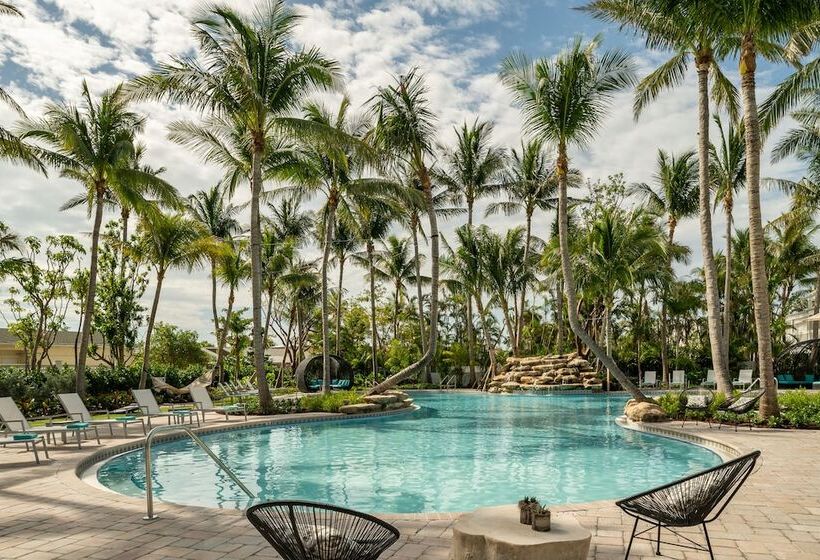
[{"x": 457, "y": 44}]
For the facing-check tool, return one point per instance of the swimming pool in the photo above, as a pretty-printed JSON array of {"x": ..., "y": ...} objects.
[{"x": 459, "y": 452}]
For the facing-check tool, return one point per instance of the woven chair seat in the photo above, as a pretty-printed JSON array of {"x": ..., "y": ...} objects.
[{"x": 300, "y": 530}]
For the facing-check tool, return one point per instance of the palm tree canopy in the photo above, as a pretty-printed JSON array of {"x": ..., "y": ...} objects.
[
  {"x": 727, "y": 161},
  {"x": 213, "y": 209},
  {"x": 174, "y": 241},
  {"x": 676, "y": 190}
]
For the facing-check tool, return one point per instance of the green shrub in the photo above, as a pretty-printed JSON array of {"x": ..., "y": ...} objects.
[
  {"x": 799, "y": 409},
  {"x": 330, "y": 402},
  {"x": 672, "y": 403}
]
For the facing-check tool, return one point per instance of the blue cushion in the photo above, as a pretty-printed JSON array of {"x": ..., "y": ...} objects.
[
  {"x": 77, "y": 425},
  {"x": 24, "y": 437}
]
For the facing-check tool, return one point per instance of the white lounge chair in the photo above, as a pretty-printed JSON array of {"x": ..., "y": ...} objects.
[
  {"x": 77, "y": 411},
  {"x": 150, "y": 408},
  {"x": 744, "y": 379},
  {"x": 203, "y": 403},
  {"x": 16, "y": 422},
  {"x": 710, "y": 378},
  {"x": 678, "y": 378},
  {"x": 448, "y": 382},
  {"x": 650, "y": 379}
]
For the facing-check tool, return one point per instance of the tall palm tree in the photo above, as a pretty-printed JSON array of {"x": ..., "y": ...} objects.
[
  {"x": 372, "y": 223},
  {"x": 345, "y": 243},
  {"x": 247, "y": 73},
  {"x": 212, "y": 208},
  {"x": 232, "y": 268},
  {"x": 686, "y": 29},
  {"x": 167, "y": 242},
  {"x": 564, "y": 101},
  {"x": 405, "y": 129},
  {"x": 93, "y": 143},
  {"x": 395, "y": 264},
  {"x": 763, "y": 27},
  {"x": 727, "y": 164},
  {"x": 675, "y": 196}
]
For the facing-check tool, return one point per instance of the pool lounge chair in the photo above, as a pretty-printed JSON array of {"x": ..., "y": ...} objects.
[
  {"x": 744, "y": 379},
  {"x": 150, "y": 408},
  {"x": 693, "y": 501},
  {"x": 203, "y": 403},
  {"x": 76, "y": 410},
  {"x": 710, "y": 379},
  {"x": 650, "y": 379},
  {"x": 16, "y": 422},
  {"x": 678, "y": 378}
]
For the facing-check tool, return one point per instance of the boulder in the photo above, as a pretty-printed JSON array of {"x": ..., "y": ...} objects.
[
  {"x": 380, "y": 399},
  {"x": 361, "y": 408},
  {"x": 644, "y": 411},
  {"x": 510, "y": 385},
  {"x": 566, "y": 379},
  {"x": 527, "y": 380},
  {"x": 578, "y": 363},
  {"x": 401, "y": 395},
  {"x": 395, "y": 405},
  {"x": 494, "y": 390}
]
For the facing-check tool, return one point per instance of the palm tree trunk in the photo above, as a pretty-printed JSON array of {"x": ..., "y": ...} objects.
[
  {"x": 606, "y": 341},
  {"x": 374, "y": 336},
  {"x": 268, "y": 311},
  {"x": 79, "y": 382},
  {"x": 339, "y": 303},
  {"x": 329, "y": 227},
  {"x": 265, "y": 403},
  {"x": 560, "y": 315},
  {"x": 213, "y": 299},
  {"x": 396, "y": 294},
  {"x": 223, "y": 337},
  {"x": 722, "y": 377},
  {"x": 727, "y": 282},
  {"x": 519, "y": 320},
  {"x": 422, "y": 329},
  {"x": 762, "y": 306},
  {"x": 488, "y": 339},
  {"x": 569, "y": 282},
  {"x": 426, "y": 358},
  {"x": 471, "y": 339},
  {"x": 146, "y": 352}
]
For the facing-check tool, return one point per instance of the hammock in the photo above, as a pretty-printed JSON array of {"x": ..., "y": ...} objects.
[{"x": 202, "y": 381}]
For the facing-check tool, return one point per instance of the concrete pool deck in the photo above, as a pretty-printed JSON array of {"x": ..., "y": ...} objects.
[{"x": 47, "y": 512}]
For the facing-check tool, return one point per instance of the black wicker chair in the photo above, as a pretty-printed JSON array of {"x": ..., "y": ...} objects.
[
  {"x": 743, "y": 404},
  {"x": 698, "y": 399},
  {"x": 695, "y": 500},
  {"x": 301, "y": 530}
]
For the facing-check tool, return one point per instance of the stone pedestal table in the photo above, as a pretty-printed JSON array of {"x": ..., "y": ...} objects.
[{"x": 494, "y": 533}]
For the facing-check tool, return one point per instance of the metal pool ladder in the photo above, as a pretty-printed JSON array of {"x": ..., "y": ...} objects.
[{"x": 149, "y": 493}]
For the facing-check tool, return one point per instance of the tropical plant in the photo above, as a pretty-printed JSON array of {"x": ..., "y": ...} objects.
[
  {"x": 246, "y": 74},
  {"x": 232, "y": 268},
  {"x": 93, "y": 144},
  {"x": 563, "y": 101},
  {"x": 345, "y": 244},
  {"x": 395, "y": 265}
]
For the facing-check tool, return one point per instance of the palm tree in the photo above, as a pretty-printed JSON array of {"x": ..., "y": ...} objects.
[
  {"x": 687, "y": 29},
  {"x": 246, "y": 73},
  {"x": 762, "y": 26},
  {"x": 564, "y": 101},
  {"x": 9, "y": 241},
  {"x": 405, "y": 129},
  {"x": 345, "y": 244},
  {"x": 395, "y": 265},
  {"x": 232, "y": 268},
  {"x": 168, "y": 242},
  {"x": 727, "y": 164},
  {"x": 94, "y": 144},
  {"x": 675, "y": 196},
  {"x": 372, "y": 222},
  {"x": 212, "y": 208}
]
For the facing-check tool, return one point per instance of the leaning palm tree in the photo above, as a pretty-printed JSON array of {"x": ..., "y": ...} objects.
[
  {"x": 167, "y": 242},
  {"x": 247, "y": 73},
  {"x": 686, "y": 29},
  {"x": 405, "y": 129},
  {"x": 232, "y": 269},
  {"x": 727, "y": 165},
  {"x": 564, "y": 101},
  {"x": 93, "y": 143},
  {"x": 212, "y": 208},
  {"x": 675, "y": 196},
  {"x": 776, "y": 30}
]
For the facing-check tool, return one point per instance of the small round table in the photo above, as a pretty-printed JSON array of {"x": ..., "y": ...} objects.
[{"x": 494, "y": 533}]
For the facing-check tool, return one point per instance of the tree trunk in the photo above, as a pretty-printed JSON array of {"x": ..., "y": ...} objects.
[
  {"x": 569, "y": 282},
  {"x": 560, "y": 315},
  {"x": 213, "y": 300},
  {"x": 339, "y": 303},
  {"x": 727, "y": 281},
  {"x": 79, "y": 382},
  {"x": 426, "y": 358},
  {"x": 519, "y": 320},
  {"x": 422, "y": 329},
  {"x": 723, "y": 378},
  {"x": 396, "y": 294},
  {"x": 146, "y": 353},
  {"x": 328, "y": 241},
  {"x": 606, "y": 341},
  {"x": 265, "y": 403},
  {"x": 470, "y": 329},
  {"x": 488, "y": 339},
  {"x": 762, "y": 306},
  {"x": 223, "y": 337},
  {"x": 374, "y": 335}
]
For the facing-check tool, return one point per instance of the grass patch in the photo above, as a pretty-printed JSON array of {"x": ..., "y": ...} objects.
[{"x": 330, "y": 402}]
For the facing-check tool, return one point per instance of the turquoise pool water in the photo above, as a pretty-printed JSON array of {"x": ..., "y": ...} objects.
[{"x": 459, "y": 452}]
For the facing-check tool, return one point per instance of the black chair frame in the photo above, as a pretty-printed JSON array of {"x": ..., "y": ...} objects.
[
  {"x": 372, "y": 535},
  {"x": 711, "y": 515},
  {"x": 709, "y": 397}
]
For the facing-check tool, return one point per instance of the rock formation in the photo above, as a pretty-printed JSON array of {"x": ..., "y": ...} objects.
[{"x": 565, "y": 371}]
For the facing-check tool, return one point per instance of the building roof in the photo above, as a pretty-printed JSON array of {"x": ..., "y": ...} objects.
[{"x": 63, "y": 338}]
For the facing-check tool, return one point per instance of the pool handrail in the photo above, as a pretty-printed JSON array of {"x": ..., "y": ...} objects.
[{"x": 149, "y": 492}]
